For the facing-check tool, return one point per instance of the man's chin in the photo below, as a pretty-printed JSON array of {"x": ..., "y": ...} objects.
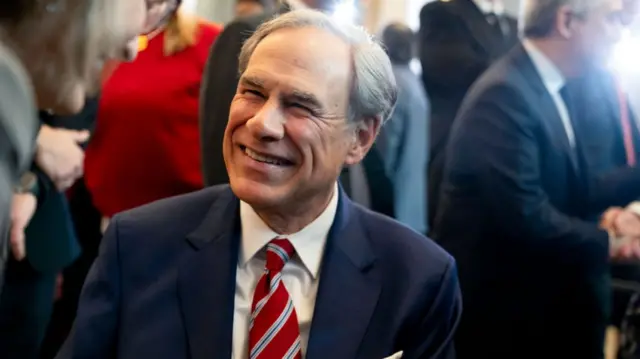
[{"x": 256, "y": 194}]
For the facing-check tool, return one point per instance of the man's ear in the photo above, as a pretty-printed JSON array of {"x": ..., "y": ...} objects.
[
  {"x": 366, "y": 131},
  {"x": 565, "y": 22}
]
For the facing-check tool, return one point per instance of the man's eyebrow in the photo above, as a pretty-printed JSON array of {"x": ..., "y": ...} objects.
[
  {"x": 252, "y": 81},
  {"x": 306, "y": 98}
]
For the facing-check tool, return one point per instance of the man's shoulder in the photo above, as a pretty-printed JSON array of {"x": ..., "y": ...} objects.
[
  {"x": 437, "y": 8},
  {"x": 401, "y": 247},
  {"x": 175, "y": 215},
  {"x": 505, "y": 78}
]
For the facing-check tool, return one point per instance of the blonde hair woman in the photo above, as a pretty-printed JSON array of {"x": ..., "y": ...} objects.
[
  {"x": 146, "y": 143},
  {"x": 51, "y": 55}
]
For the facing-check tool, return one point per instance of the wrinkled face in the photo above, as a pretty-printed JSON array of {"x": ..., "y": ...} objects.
[
  {"x": 288, "y": 137},
  {"x": 596, "y": 33}
]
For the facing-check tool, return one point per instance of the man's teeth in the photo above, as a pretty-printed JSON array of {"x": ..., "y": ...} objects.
[{"x": 260, "y": 158}]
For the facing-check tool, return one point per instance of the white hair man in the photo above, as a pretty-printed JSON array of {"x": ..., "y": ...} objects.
[
  {"x": 280, "y": 264},
  {"x": 366, "y": 183},
  {"x": 518, "y": 194}
]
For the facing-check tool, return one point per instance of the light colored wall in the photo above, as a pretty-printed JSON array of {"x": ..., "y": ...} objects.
[
  {"x": 220, "y": 11},
  {"x": 382, "y": 12},
  {"x": 512, "y": 7}
]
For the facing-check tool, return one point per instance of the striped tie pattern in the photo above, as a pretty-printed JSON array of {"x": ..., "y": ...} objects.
[{"x": 273, "y": 327}]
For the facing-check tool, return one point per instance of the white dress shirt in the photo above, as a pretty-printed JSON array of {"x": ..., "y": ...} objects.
[
  {"x": 553, "y": 81},
  {"x": 300, "y": 275}
]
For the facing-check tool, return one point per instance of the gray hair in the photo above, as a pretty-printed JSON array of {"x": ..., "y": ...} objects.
[
  {"x": 539, "y": 16},
  {"x": 374, "y": 91}
]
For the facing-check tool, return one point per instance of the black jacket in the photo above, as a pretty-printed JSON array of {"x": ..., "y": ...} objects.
[
  {"x": 515, "y": 212},
  {"x": 457, "y": 44}
]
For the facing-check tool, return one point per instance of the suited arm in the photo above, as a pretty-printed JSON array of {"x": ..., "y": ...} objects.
[
  {"x": 433, "y": 338},
  {"x": 497, "y": 142},
  {"x": 616, "y": 188},
  {"x": 448, "y": 57},
  {"x": 95, "y": 331},
  {"x": 219, "y": 84}
]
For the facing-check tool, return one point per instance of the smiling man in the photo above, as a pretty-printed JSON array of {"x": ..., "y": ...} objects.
[{"x": 280, "y": 263}]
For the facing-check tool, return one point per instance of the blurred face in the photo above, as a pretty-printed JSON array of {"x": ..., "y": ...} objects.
[
  {"x": 594, "y": 34},
  {"x": 60, "y": 81},
  {"x": 288, "y": 137}
]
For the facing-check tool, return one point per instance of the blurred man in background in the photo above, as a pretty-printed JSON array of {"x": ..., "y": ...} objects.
[
  {"x": 404, "y": 140},
  {"x": 518, "y": 197},
  {"x": 459, "y": 40}
]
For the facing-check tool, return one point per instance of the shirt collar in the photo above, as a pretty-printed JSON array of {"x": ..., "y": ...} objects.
[
  {"x": 551, "y": 76},
  {"x": 309, "y": 242},
  {"x": 488, "y": 7}
]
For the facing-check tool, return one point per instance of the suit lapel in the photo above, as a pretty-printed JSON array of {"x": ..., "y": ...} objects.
[
  {"x": 348, "y": 290},
  {"x": 548, "y": 109},
  {"x": 207, "y": 280}
]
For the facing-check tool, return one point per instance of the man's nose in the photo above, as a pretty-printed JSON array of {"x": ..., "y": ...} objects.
[{"x": 268, "y": 123}]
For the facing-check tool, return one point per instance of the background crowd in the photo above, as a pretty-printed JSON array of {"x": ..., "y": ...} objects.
[{"x": 514, "y": 147}]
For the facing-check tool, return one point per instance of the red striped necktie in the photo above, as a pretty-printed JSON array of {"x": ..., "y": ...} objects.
[{"x": 273, "y": 328}]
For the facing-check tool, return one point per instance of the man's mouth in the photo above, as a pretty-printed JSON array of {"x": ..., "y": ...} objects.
[{"x": 264, "y": 158}]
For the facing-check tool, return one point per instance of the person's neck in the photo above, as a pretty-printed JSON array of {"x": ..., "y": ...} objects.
[
  {"x": 293, "y": 220},
  {"x": 558, "y": 53}
]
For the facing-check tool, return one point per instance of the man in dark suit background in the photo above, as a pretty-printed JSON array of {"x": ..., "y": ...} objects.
[
  {"x": 459, "y": 40},
  {"x": 281, "y": 263},
  {"x": 518, "y": 196},
  {"x": 219, "y": 86}
]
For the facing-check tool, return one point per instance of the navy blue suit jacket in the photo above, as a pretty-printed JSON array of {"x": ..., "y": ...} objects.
[{"x": 163, "y": 286}]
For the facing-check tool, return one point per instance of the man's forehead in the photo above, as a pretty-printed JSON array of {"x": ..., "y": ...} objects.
[
  {"x": 300, "y": 59},
  {"x": 305, "y": 45}
]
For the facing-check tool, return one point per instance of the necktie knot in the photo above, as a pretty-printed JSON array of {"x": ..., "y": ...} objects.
[{"x": 279, "y": 251}]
